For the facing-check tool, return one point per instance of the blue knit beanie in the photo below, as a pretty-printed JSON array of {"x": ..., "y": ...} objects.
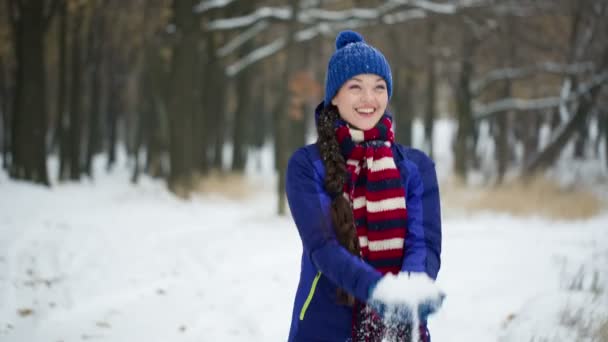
[{"x": 353, "y": 57}]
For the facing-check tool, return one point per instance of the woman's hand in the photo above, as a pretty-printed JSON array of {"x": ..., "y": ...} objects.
[{"x": 397, "y": 297}]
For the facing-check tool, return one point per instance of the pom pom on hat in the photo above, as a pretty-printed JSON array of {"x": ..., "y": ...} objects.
[
  {"x": 353, "y": 57},
  {"x": 347, "y": 37}
]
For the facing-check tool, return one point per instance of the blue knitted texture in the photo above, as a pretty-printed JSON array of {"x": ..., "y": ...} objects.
[{"x": 354, "y": 56}]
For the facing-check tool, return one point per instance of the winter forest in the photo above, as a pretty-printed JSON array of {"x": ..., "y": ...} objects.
[{"x": 144, "y": 146}]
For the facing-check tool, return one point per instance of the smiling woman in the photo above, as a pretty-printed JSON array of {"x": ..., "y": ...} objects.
[
  {"x": 362, "y": 101},
  {"x": 366, "y": 209}
]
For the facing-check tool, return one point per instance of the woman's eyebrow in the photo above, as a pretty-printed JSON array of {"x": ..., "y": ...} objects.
[{"x": 356, "y": 79}]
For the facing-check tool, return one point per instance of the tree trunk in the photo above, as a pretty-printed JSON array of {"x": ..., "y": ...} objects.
[
  {"x": 552, "y": 151},
  {"x": 531, "y": 129},
  {"x": 465, "y": 135},
  {"x": 283, "y": 123},
  {"x": 154, "y": 94},
  {"x": 214, "y": 92},
  {"x": 502, "y": 137},
  {"x": 200, "y": 162},
  {"x": 114, "y": 91},
  {"x": 605, "y": 129},
  {"x": 143, "y": 108},
  {"x": 431, "y": 80},
  {"x": 75, "y": 128},
  {"x": 4, "y": 117},
  {"x": 29, "y": 119},
  {"x": 242, "y": 121},
  {"x": 580, "y": 140},
  {"x": 96, "y": 38},
  {"x": 181, "y": 105},
  {"x": 404, "y": 112},
  {"x": 62, "y": 121},
  {"x": 218, "y": 111}
]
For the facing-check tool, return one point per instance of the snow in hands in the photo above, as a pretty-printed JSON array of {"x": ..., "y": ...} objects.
[{"x": 414, "y": 292}]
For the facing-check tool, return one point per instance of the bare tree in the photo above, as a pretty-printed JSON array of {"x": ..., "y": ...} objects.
[{"x": 30, "y": 21}]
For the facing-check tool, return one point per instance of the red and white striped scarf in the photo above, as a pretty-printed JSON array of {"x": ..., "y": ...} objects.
[{"x": 374, "y": 187}]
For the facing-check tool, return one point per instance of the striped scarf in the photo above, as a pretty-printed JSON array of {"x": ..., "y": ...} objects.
[{"x": 374, "y": 187}]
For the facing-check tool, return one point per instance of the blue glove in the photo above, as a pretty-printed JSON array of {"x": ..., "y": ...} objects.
[{"x": 429, "y": 307}]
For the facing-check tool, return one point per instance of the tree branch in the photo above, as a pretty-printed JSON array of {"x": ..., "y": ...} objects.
[
  {"x": 316, "y": 15},
  {"x": 516, "y": 73},
  {"x": 483, "y": 112},
  {"x": 321, "y": 28},
  {"x": 548, "y": 155},
  {"x": 206, "y": 5}
]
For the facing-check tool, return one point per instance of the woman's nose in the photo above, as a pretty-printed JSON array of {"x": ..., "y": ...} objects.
[{"x": 367, "y": 94}]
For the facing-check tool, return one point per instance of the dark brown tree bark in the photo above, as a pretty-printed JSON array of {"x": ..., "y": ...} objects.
[
  {"x": 242, "y": 120},
  {"x": 403, "y": 103},
  {"x": 29, "y": 120},
  {"x": 62, "y": 122},
  {"x": 214, "y": 92},
  {"x": 200, "y": 163},
  {"x": 605, "y": 130},
  {"x": 95, "y": 57},
  {"x": 75, "y": 125},
  {"x": 581, "y": 139},
  {"x": 4, "y": 114},
  {"x": 241, "y": 124},
  {"x": 155, "y": 96},
  {"x": 464, "y": 110},
  {"x": 501, "y": 139},
  {"x": 218, "y": 112},
  {"x": 431, "y": 88},
  {"x": 182, "y": 97},
  {"x": 115, "y": 91},
  {"x": 530, "y": 125}
]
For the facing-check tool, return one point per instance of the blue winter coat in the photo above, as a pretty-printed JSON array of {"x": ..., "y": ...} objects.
[{"x": 326, "y": 265}]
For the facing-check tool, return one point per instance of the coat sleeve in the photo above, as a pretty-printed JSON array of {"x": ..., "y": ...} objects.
[
  {"x": 309, "y": 205},
  {"x": 425, "y": 217},
  {"x": 415, "y": 248}
]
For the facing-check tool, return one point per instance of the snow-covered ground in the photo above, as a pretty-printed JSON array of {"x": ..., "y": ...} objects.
[{"x": 109, "y": 261}]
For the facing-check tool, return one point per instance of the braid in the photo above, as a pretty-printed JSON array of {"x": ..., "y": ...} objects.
[{"x": 335, "y": 176}]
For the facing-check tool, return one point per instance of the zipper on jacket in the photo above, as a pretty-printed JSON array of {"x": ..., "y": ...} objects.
[{"x": 310, "y": 295}]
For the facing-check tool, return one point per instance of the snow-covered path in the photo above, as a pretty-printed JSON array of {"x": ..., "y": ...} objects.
[{"x": 112, "y": 262}]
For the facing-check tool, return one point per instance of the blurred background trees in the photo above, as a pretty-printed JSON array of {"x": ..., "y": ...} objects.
[{"x": 194, "y": 86}]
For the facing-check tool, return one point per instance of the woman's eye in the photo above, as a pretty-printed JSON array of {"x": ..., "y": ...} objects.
[
  {"x": 354, "y": 86},
  {"x": 381, "y": 87}
]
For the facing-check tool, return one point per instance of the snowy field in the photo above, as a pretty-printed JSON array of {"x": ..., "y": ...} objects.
[{"x": 108, "y": 261}]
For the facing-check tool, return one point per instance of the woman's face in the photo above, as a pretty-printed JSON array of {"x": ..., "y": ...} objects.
[{"x": 362, "y": 100}]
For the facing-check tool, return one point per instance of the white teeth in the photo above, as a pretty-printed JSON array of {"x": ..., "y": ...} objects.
[{"x": 365, "y": 110}]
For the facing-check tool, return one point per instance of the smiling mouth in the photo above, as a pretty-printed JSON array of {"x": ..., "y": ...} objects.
[{"x": 365, "y": 111}]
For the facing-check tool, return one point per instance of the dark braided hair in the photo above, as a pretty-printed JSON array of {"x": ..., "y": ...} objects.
[{"x": 335, "y": 175}]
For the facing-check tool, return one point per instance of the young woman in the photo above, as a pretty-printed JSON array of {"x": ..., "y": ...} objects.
[{"x": 364, "y": 207}]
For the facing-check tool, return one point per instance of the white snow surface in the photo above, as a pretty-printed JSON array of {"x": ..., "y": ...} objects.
[{"x": 105, "y": 260}]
